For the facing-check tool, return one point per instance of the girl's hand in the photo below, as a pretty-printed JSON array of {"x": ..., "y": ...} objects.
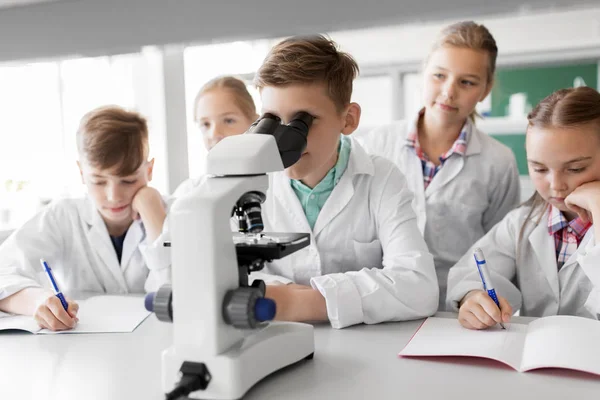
[
  {"x": 478, "y": 310},
  {"x": 585, "y": 201},
  {"x": 51, "y": 314}
]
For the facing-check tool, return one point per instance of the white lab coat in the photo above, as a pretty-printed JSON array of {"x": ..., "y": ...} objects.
[
  {"x": 465, "y": 199},
  {"x": 525, "y": 271},
  {"x": 188, "y": 185},
  {"x": 367, "y": 256},
  {"x": 71, "y": 235}
]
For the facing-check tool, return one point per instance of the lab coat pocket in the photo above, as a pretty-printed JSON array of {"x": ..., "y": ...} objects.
[{"x": 368, "y": 255}]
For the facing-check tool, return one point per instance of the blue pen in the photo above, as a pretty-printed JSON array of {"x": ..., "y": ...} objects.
[
  {"x": 485, "y": 277},
  {"x": 57, "y": 291}
]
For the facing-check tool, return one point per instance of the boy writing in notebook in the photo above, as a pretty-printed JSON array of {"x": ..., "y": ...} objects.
[
  {"x": 107, "y": 242},
  {"x": 367, "y": 261}
]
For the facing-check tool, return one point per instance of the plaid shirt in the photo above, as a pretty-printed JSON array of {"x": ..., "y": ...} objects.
[
  {"x": 567, "y": 235},
  {"x": 429, "y": 168}
]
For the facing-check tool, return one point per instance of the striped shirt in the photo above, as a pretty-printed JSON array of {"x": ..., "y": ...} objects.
[
  {"x": 567, "y": 235},
  {"x": 429, "y": 168}
]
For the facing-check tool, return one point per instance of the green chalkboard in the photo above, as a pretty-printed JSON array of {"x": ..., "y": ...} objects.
[
  {"x": 517, "y": 145},
  {"x": 538, "y": 82}
]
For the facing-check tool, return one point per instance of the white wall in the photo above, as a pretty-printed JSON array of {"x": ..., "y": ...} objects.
[
  {"x": 91, "y": 27},
  {"x": 521, "y": 38}
]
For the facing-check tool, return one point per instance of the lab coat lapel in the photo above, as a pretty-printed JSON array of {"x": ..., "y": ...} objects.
[
  {"x": 135, "y": 234},
  {"x": 584, "y": 242},
  {"x": 543, "y": 246},
  {"x": 413, "y": 172},
  {"x": 359, "y": 162},
  {"x": 99, "y": 240},
  {"x": 447, "y": 173},
  {"x": 456, "y": 162},
  {"x": 337, "y": 201},
  {"x": 282, "y": 189}
]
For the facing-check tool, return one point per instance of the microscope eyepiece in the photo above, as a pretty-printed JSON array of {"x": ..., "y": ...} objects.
[
  {"x": 266, "y": 124},
  {"x": 302, "y": 121},
  {"x": 290, "y": 138}
]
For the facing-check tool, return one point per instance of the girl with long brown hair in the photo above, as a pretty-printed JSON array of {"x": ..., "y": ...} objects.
[{"x": 544, "y": 257}]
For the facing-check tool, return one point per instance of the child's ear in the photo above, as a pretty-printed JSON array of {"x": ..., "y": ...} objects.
[
  {"x": 352, "y": 118},
  {"x": 150, "y": 169},
  {"x": 80, "y": 172}
]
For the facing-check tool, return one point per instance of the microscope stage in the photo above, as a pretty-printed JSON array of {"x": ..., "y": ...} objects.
[{"x": 269, "y": 246}]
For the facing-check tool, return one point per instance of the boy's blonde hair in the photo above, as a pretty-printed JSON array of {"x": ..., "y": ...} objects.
[
  {"x": 469, "y": 35},
  {"x": 309, "y": 60},
  {"x": 112, "y": 137},
  {"x": 242, "y": 98},
  {"x": 568, "y": 109}
]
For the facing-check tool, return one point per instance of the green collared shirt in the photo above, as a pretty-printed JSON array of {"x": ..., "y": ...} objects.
[{"x": 312, "y": 200}]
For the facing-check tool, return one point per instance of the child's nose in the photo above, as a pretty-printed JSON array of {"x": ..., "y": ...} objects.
[
  {"x": 216, "y": 133},
  {"x": 113, "y": 193},
  {"x": 449, "y": 90},
  {"x": 557, "y": 182}
]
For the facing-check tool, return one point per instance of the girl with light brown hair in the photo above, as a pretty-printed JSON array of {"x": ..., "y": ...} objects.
[
  {"x": 544, "y": 256},
  {"x": 464, "y": 181},
  {"x": 223, "y": 107}
]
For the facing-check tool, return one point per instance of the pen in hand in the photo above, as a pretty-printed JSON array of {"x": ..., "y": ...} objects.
[
  {"x": 57, "y": 291},
  {"x": 485, "y": 277}
]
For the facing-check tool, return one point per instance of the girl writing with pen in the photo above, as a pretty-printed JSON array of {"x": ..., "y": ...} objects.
[{"x": 543, "y": 257}]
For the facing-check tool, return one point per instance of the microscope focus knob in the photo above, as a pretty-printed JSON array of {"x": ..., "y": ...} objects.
[
  {"x": 245, "y": 308},
  {"x": 264, "y": 309},
  {"x": 161, "y": 303}
]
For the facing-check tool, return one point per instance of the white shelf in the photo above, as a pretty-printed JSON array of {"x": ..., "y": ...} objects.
[{"x": 503, "y": 125}]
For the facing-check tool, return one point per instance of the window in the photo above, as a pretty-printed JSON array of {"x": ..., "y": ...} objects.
[
  {"x": 31, "y": 149},
  {"x": 413, "y": 86},
  {"x": 374, "y": 94},
  {"x": 42, "y": 104}
]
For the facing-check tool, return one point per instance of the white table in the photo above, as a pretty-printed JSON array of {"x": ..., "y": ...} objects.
[{"x": 359, "y": 362}]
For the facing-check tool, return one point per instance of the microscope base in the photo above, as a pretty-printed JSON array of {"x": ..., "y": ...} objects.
[{"x": 259, "y": 354}]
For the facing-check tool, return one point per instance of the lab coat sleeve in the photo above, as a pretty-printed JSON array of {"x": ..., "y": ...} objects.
[
  {"x": 40, "y": 237},
  {"x": 504, "y": 196},
  {"x": 406, "y": 287},
  {"x": 269, "y": 279},
  {"x": 157, "y": 257},
  {"x": 499, "y": 249},
  {"x": 589, "y": 261}
]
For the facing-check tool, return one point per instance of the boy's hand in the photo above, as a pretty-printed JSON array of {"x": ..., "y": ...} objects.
[
  {"x": 585, "y": 201},
  {"x": 297, "y": 303},
  {"x": 51, "y": 314},
  {"x": 478, "y": 310},
  {"x": 148, "y": 205},
  {"x": 146, "y": 199}
]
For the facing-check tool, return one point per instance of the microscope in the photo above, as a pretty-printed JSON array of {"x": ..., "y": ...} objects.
[{"x": 223, "y": 342}]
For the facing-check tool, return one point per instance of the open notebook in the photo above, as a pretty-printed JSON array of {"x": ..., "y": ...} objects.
[
  {"x": 100, "y": 314},
  {"x": 549, "y": 342}
]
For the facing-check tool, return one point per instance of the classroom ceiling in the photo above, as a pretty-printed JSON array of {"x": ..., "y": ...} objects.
[
  {"x": 16, "y": 3},
  {"x": 69, "y": 27}
]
